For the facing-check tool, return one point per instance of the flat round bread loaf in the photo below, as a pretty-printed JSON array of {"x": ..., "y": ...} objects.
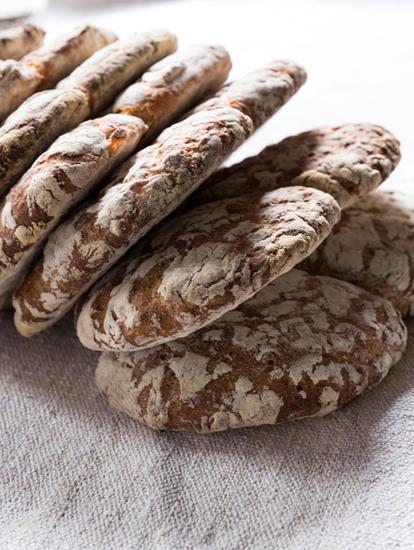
[
  {"x": 199, "y": 265},
  {"x": 347, "y": 161},
  {"x": 303, "y": 346},
  {"x": 373, "y": 247}
]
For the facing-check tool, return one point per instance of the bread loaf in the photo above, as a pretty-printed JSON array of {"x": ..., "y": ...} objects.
[
  {"x": 107, "y": 72},
  {"x": 151, "y": 186},
  {"x": 173, "y": 85},
  {"x": 16, "y": 42},
  {"x": 261, "y": 93},
  {"x": 59, "y": 179},
  {"x": 347, "y": 161},
  {"x": 200, "y": 265},
  {"x": 33, "y": 127},
  {"x": 373, "y": 247},
  {"x": 44, "y": 67},
  {"x": 37, "y": 123},
  {"x": 303, "y": 346}
]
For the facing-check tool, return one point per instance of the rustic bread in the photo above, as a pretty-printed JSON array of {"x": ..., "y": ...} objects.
[
  {"x": 34, "y": 126},
  {"x": 303, "y": 346},
  {"x": 18, "y": 81},
  {"x": 143, "y": 192},
  {"x": 44, "y": 67},
  {"x": 200, "y": 265},
  {"x": 16, "y": 42},
  {"x": 347, "y": 161},
  {"x": 59, "y": 179},
  {"x": 260, "y": 93},
  {"x": 107, "y": 72},
  {"x": 56, "y": 60},
  {"x": 173, "y": 85},
  {"x": 373, "y": 247}
]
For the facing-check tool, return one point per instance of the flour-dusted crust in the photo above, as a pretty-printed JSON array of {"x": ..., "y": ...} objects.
[
  {"x": 33, "y": 127},
  {"x": 44, "y": 67},
  {"x": 65, "y": 53},
  {"x": 145, "y": 190},
  {"x": 109, "y": 70},
  {"x": 202, "y": 264},
  {"x": 260, "y": 93},
  {"x": 346, "y": 161},
  {"x": 59, "y": 179},
  {"x": 373, "y": 247},
  {"x": 16, "y": 42},
  {"x": 18, "y": 81},
  {"x": 303, "y": 346},
  {"x": 173, "y": 85}
]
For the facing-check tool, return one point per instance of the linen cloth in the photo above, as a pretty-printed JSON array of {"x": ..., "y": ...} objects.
[{"x": 76, "y": 475}]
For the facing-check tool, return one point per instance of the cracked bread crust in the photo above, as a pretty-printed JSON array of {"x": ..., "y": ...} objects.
[
  {"x": 56, "y": 60},
  {"x": 108, "y": 71},
  {"x": 200, "y": 265},
  {"x": 373, "y": 247},
  {"x": 16, "y": 42},
  {"x": 347, "y": 161},
  {"x": 43, "y": 68},
  {"x": 33, "y": 127},
  {"x": 144, "y": 190},
  {"x": 59, "y": 179},
  {"x": 261, "y": 93},
  {"x": 173, "y": 85},
  {"x": 303, "y": 346}
]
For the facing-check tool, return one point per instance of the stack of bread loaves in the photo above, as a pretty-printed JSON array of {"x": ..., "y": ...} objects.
[{"x": 221, "y": 298}]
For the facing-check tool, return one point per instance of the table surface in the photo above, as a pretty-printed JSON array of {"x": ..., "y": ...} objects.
[{"x": 75, "y": 474}]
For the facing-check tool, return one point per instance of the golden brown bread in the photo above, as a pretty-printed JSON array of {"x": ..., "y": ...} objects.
[{"x": 303, "y": 346}]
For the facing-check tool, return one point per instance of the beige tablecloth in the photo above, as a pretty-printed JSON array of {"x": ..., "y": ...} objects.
[{"x": 76, "y": 475}]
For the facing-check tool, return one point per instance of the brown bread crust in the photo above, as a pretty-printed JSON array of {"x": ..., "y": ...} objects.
[
  {"x": 260, "y": 93},
  {"x": 145, "y": 190},
  {"x": 200, "y": 265},
  {"x": 56, "y": 60},
  {"x": 19, "y": 41},
  {"x": 33, "y": 127},
  {"x": 44, "y": 67},
  {"x": 173, "y": 85},
  {"x": 107, "y": 72},
  {"x": 301, "y": 347},
  {"x": 59, "y": 179},
  {"x": 373, "y": 247},
  {"x": 38, "y": 122},
  {"x": 347, "y": 161}
]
